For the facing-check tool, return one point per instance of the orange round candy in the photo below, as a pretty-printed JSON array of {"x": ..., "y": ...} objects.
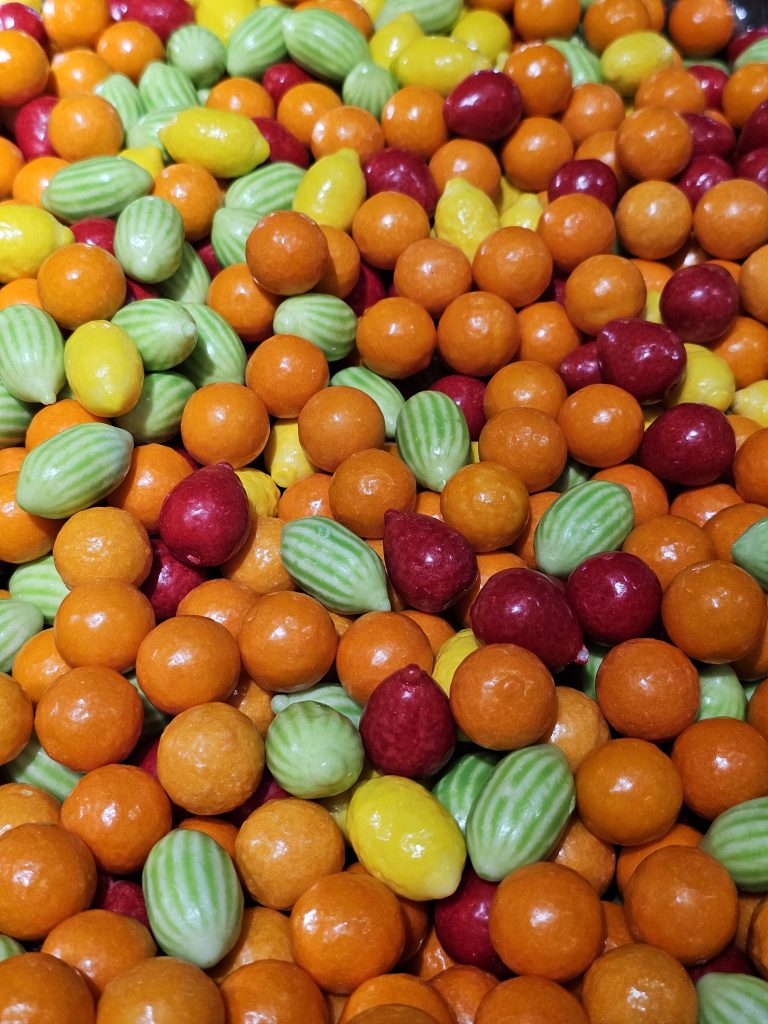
[
  {"x": 535, "y": 19},
  {"x": 104, "y": 543},
  {"x": 343, "y": 268},
  {"x": 534, "y": 151},
  {"x": 120, "y": 812},
  {"x": 524, "y": 383},
  {"x": 84, "y": 126},
  {"x": 547, "y": 920},
  {"x": 222, "y": 832},
  {"x": 528, "y": 442},
  {"x": 463, "y": 987},
  {"x": 543, "y": 77},
  {"x": 628, "y": 983},
  {"x": 672, "y": 88},
  {"x": 78, "y": 283},
  {"x": 102, "y": 622},
  {"x": 602, "y": 146},
  {"x": 750, "y": 287},
  {"x": 700, "y": 29},
  {"x": 225, "y": 601},
  {"x": 653, "y": 219},
  {"x": 592, "y": 108},
  {"x": 37, "y": 664},
  {"x": 34, "y": 178},
  {"x": 21, "y": 804},
  {"x": 546, "y": 334},
  {"x": 586, "y": 854},
  {"x": 612, "y": 19},
  {"x": 25, "y": 68},
  {"x": 745, "y": 89},
  {"x": 46, "y": 875},
  {"x": 302, "y": 105},
  {"x": 164, "y": 990},
  {"x": 727, "y": 525},
  {"x": 258, "y": 564},
  {"x": 337, "y": 422},
  {"x": 76, "y": 71},
  {"x": 469, "y": 160},
  {"x": 38, "y": 988},
  {"x": 265, "y": 935},
  {"x": 247, "y": 307},
  {"x": 745, "y": 348},
  {"x": 603, "y": 288},
  {"x": 603, "y": 425},
  {"x": 513, "y": 263},
  {"x": 396, "y": 338},
  {"x": 128, "y": 46},
  {"x": 365, "y": 485},
  {"x": 579, "y": 726},
  {"x": 478, "y": 334},
  {"x": 653, "y": 143},
  {"x": 385, "y": 225},
  {"x": 154, "y": 471},
  {"x": 374, "y": 646},
  {"x": 433, "y": 273},
  {"x": 731, "y": 218},
  {"x": 401, "y": 990},
  {"x": 241, "y": 96},
  {"x": 306, "y": 497},
  {"x": 616, "y": 929},
  {"x": 487, "y": 503},
  {"x": 523, "y": 546},
  {"x": 347, "y": 128},
  {"x": 413, "y": 119},
  {"x": 285, "y": 371},
  {"x": 750, "y": 470},
  {"x": 628, "y": 792},
  {"x": 531, "y": 1001},
  {"x": 287, "y": 253},
  {"x": 669, "y": 544},
  {"x": 649, "y": 498},
  {"x": 272, "y": 990},
  {"x": 225, "y": 422},
  {"x": 575, "y": 227},
  {"x": 23, "y": 537},
  {"x": 194, "y": 192},
  {"x": 631, "y": 856},
  {"x": 15, "y": 718}
]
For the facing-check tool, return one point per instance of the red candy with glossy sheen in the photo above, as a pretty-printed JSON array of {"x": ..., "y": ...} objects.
[
  {"x": 399, "y": 170},
  {"x": 485, "y": 106},
  {"x": 644, "y": 358},
  {"x": 169, "y": 580},
  {"x": 690, "y": 444},
  {"x": 616, "y": 597},
  {"x": 461, "y": 924},
  {"x": 700, "y": 303}
]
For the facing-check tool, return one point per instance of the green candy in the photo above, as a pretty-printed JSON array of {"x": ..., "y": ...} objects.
[
  {"x": 750, "y": 551},
  {"x": 73, "y": 470},
  {"x": 313, "y": 751},
  {"x": 162, "y": 85},
  {"x": 161, "y": 329},
  {"x": 584, "y": 65},
  {"x": 589, "y": 518},
  {"x": 190, "y": 283},
  {"x": 435, "y": 17},
  {"x": 324, "y": 320},
  {"x": 156, "y": 417},
  {"x": 154, "y": 719},
  {"x": 585, "y": 676},
  {"x": 19, "y": 622},
  {"x": 219, "y": 354},
  {"x": 145, "y": 131},
  {"x": 722, "y": 695},
  {"x": 31, "y": 354},
  {"x": 15, "y": 417},
  {"x": 732, "y": 999},
  {"x": 257, "y": 43},
  {"x": 120, "y": 91},
  {"x": 433, "y": 438},
  {"x": 35, "y": 768},
  {"x": 149, "y": 238},
  {"x": 229, "y": 233},
  {"x": 368, "y": 86},
  {"x": 382, "y": 391},
  {"x": 100, "y": 187},
  {"x": 757, "y": 53},
  {"x": 265, "y": 190},
  {"x": 521, "y": 812},
  {"x": 193, "y": 896},
  {"x": 198, "y": 53},
  {"x": 334, "y": 565},
  {"x": 324, "y": 43},
  {"x": 9, "y": 947},
  {"x": 39, "y": 584},
  {"x": 459, "y": 786},
  {"x": 738, "y": 838},
  {"x": 332, "y": 695},
  {"x": 575, "y": 473}
]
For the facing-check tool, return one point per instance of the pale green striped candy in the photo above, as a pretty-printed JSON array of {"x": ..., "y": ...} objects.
[
  {"x": 324, "y": 320},
  {"x": 193, "y": 896},
  {"x": 585, "y": 676},
  {"x": 162, "y": 86},
  {"x": 749, "y": 689},
  {"x": 459, "y": 787},
  {"x": 73, "y": 470},
  {"x": 519, "y": 816},
  {"x": 584, "y": 65},
  {"x": 219, "y": 354},
  {"x": 39, "y": 584},
  {"x": 35, "y": 768},
  {"x": 333, "y": 565},
  {"x": 382, "y": 391},
  {"x": 722, "y": 695},
  {"x": 190, "y": 283},
  {"x": 154, "y": 719},
  {"x": 202, "y": 96},
  {"x": 432, "y": 438},
  {"x": 198, "y": 53},
  {"x": 738, "y": 838},
  {"x": 324, "y": 43},
  {"x": 369, "y": 86},
  {"x": 757, "y": 53},
  {"x": 732, "y": 999},
  {"x": 332, "y": 695},
  {"x": 15, "y": 417},
  {"x": 257, "y": 43},
  {"x": 19, "y": 621},
  {"x": 161, "y": 329},
  {"x": 266, "y": 189},
  {"x": 156, "y": 417},
  {"x": 9, "y": 947},
  {"x": 229, "y": 233},
  {"x": 573, "y": 474},
  {"x": 709, "y": 62},
  {"x": 435, "y": 17},
  {"x": 146, "y": 130},
  {"x": 589, "y": 518},
  {"x": 750, "y": 551},
  {"x": 120, "y": 91},
  {"x": 31, "y": 354},
  {"x": 313, "y": 751},
  {"x": 149, "y": 238},
  {"x": 100, "y": 187}
]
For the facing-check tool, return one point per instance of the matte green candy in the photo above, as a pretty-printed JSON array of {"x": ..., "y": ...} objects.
[
  {"x": 589, "y": 518},
  {"x": 19, "y": 622},
  {"x": 757, "y": 53},
  {"x": 334, "y": 565},
  {"x": 585, "y": 676},
  {"x": 575, "y": 473},
  {"x": 198, "y": 53},
  {"x": 750, "y": 551},
  {"x": 100, "y": 187},
  {"x": 219, "y": 354},
  {"x": 145, "y": 131},
  {"x": 732, "y": 999},
  {"x": 383, "y": 392},
  {"x": 156, "y": 417},
  {"x": 324, "y": 43},
  {"x": 190, "y": 283},
  {"x": 31, "y": 354},
  {"x": 229, "y": 233},
  {"x": 34, "y": 767},
  {"x": 120, "y": 91},
  {"x": 161, "y": 329},
  {"x": 584, "y": 65},
  {"x": 149, "y": 238},
  {"x": 433, "y": 438},
  {"x": 435, "y": 17},
  {"x": 155, "y": 720},
  {"x": 257, "y": 43},
  {"x": 332, "y": 695},
  {"x": 9, "y": 947},
  {"x": 313, "y": 751},
  {"x": 40, "y": 584},
  {"x": 15, "y": 417},
  {"x": 162, "y": 85},
  {"x": 459, "y": 786},
  {"x": 738, "y": 838},
  {"x": 266, "y": 189},
  {"x": 369, "y": 86},
  {"x": 325, "y": 320},
  {"x": 722, "y": 695}
]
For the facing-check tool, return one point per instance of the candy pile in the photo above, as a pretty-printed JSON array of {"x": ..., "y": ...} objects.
[{"x": 383, "y": 512}]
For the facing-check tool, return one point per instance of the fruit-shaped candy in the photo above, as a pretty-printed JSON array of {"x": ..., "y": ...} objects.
[
  {"x": 313, "y": 751},
  {"x": 205, "y": 519}
]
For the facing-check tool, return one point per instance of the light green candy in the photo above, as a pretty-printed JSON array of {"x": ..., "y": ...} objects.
[
  {"x": 9, "y": 947},
  {"x": 161, "y": 329},
  {"x": 198, "y": 53},
  {"x": 332, "y": 695},
  {"x": 229, "y": 234},
  {"x": 313, "y": 751},
  {"x": 461, "y": 784},
  {"x": 149, "y": 239},
  {"x": 324, "y": 43},
  {"x": 35, "y": 768},
  {"x": 162, "y": 85},
  {"x": 325, "y": 320},
  {"x": 368, "y": 86},
  {"x": 382, "y": 391},
  {"x": 40, "y": 584},
  {"x": 750, "y": 551},
  {"x": 732, "y": 999},
  {"x": 120, "y": 91},
  {"x": 432, "y": 438},
  {"x": 145, "y": 131},
  {"x": 265, "y": 190},
  {"x": 15, "y": 417},
  {"x": 738, "y": 838},
  {"x": 100, "y": 187},
  {"x": 190, "y": 283},
  {"x": 257, "y": 43},
  {"x": 757, "y": 53},
  {"x": 156, "y": 417},
  {"x": 584, "y": 65},
  {"x": 31, "y": 354},
  {"x": 722, "y": 695},
  {"x": 154, "y": 719},
  {"x": 219, "y": 354},
  {"x": 435, "y": 17},
  {"x": 19, "y": 622}
]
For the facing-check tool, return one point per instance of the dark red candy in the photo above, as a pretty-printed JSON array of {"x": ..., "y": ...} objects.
[
  {"x": 368, "y": 290},
  {"x": 283, "y": 145},
  {"x": 266, "y": 790},
  {"x": 732, "y": 960},
  {"x": 121, "y": 896},
  {"x": 592, "y": 177},
  {"x": 615, "y": 595},
  {"x": 485, "y": 106},
  {"x": 462, "y": 924},
  {"x": 135, "y": 290},
  {"x": 23, "y": 19},
  {"x": 700, "y": 303},
  {"x": 710, "y": 137},
  {"x": 690, "y": 444},
  {"x": 644, "y": 358},
  {"x": 702, "y": 174},
  {"x": 278, "y": 79},
  {"x": 712, "y": 81},
  {"x": 162, "y": 16},
  {"x": 754, "y": 134},
  {"x": 754, "y": 165},
  {"x": 208, "y": 256},
  {"x": 468, "y": 393},
  {"x": 581, "y": 367},
  {"x": 30, "y": 127},
  {"x": 95, "y": 231},
  {"x": 400, "y": 170},
  {"x": 169, "y": 580}
]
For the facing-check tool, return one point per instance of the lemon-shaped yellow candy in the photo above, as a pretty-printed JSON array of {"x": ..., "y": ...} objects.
[
  {"x": 752, "y": 402},
  {"x": 465, "y": 215},
  {"x": 484, "y": 31},
  {"x": 450, "y": 656},
  {"x": 150, "y": 158},
  {"x": 223, "y": 16},
  {"x": 28, "y": 236},
  {"x": 631, "y": 58},
  {"x": 262, "y": 491},
  {"x": 437, "y": 62},
  {"x": 524, "y": 212},
  {"x": 332, "y": 190},
  {"x": 103, "y": 368},
  {"x": 708, "y": 379},
  {"x": 388, "y": 43},
  {"x": 285, "y": 459},
  {"x": 224, "y": 143}
]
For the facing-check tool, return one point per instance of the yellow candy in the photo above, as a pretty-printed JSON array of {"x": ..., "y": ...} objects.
[
  {"x": 437, "y": 62},
  {"x": 103, "y": 368},
  {"x": 465, "y": 215},
  {"x": 226, "y": 144},
  {"x": 372, "y": 8},
  {"x": 223, "y": 16},
  {"x": 752, "y": 402},
  {"x": 631, "y": 58},
  {"x": 708, "y": 379},
  {"x": 652, "y": 311},
  {"x": 148, "y": 157},
  {"x": 651, "y": 413},
  {"x": 388, "y": 43},
  {"x": 263, "y": 493},
  {"x": 332, "y": 190},
  {"x": 285, "y": 459},
  {"x": 508, "y": 195},
  {"x": 484, "y": 31},
  {"x": 28, "y": 236},
  {"x": 475, "y": 446},
  {"x": 525, "y": 212},
  {"x": 450, "y": 656},
  {"x": 405, "y": 838}
]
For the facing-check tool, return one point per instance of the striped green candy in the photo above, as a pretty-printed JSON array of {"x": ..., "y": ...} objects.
[
  {"x": 34, "y": 767},
  {"x": 585, "y": 676},
  {"x": 383, "y": 392},
  {"x": 219, "y": 354},
  {"x": 738, "y": 838},
  {"x": 584, "y": 65},
  {"x": 589, "y": 518},
  {"x": 31, "y": 354},
  {"x": 120, "y": 91},
  {"x": 334, "y": 565},
  {"x": 732, "y": 999},
  {"x": 161, "y": 329},
  {"x": 750, "y": 551},
  {"x": 324, "y": 43},
  {"x": 266, "y": 189},
  {"x": 149, "y": 237},
  {"x": 15, "y": 417},
  {"x": 9, "y": 947},
  {"x": 757, "y": 53},
  {"x": 722, "y": 695},
  {"x": 573, "y": 474},
  {"x": 459, "y": 786},
  {"x": 19, "y": 621},
  {"x": 229, "y": 233},
  {"x": 146, "y": 130},
  {"x": 313, "y": 751},
  {"x": 519, "y": 816},
  {"x": 257, "y": 43},
  {"x": 39, "y": 584},
  {"x": 198, "y": 53},
  {"x": 193, "y": 896},
  {"x": 190, "y": 283},
  {"x": 433, "y": 438},
  {"x": 100, "y": 187},
  {"x": 155, "y": 720},
  {"x": 325, "y": 320},
  {"x": 368, "y": 86},
  {"x": 434, "y": 16},
  {"x": 162, "y": 85},
  {"x": 156, "y": 417},
  {"x": 73, "y": 470},
  {"x": 332, "y": 695}
]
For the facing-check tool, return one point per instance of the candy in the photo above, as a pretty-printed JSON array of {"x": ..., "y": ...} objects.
[
  {"x": 432, "y": 438},
  {"x": 313, "y": 751},
  {"x": 124, "y": 97},
  {"x": 735, "y": 838},
  {"x": 461, "y": 784},
  {"x": 431, "y": 17},
  {"x": 218, "y": 355},
  {"x": 15, "y": 417},
  {"x": 721, "y": 995},
  {"x": 324, "y": 320},
  {"x": 190, "y": 282},
  {"x": 265, "y": 190},
  {"x": 33, "y": 767},
  {"x": 19, "y": 620},
  {"x": 722, "y": 695},
  {"x": 31, "y": 354},
  {"x": 229, "y": 234},
  {"x": 162, "y": 330},
  {"x": 332, "y": 190},
  {"x": 39, "y": 584},
  {"x": 384, "y": 394},
  {"x": 103, "y": 368},
  {"x": 163, "y": 86},
  {"x": 198, "y": 53},
  {"x": 284, "y": 458},
  {"x": 368, "y": 86},
  {"x": 101, "y": 187},
  {"x": 750, "y": 551},
  {"x": 28, "y": 236},
  {"x": 156, "y": 416},
  {"x": 330, "y": 694},
  {"x": 257, "y": 43},
  {"x": 437, "y": 63},
  {"x": 225, "y": 143},
  {"x": 324, "y": 43},
  {"x": 9, "y": 947}
]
